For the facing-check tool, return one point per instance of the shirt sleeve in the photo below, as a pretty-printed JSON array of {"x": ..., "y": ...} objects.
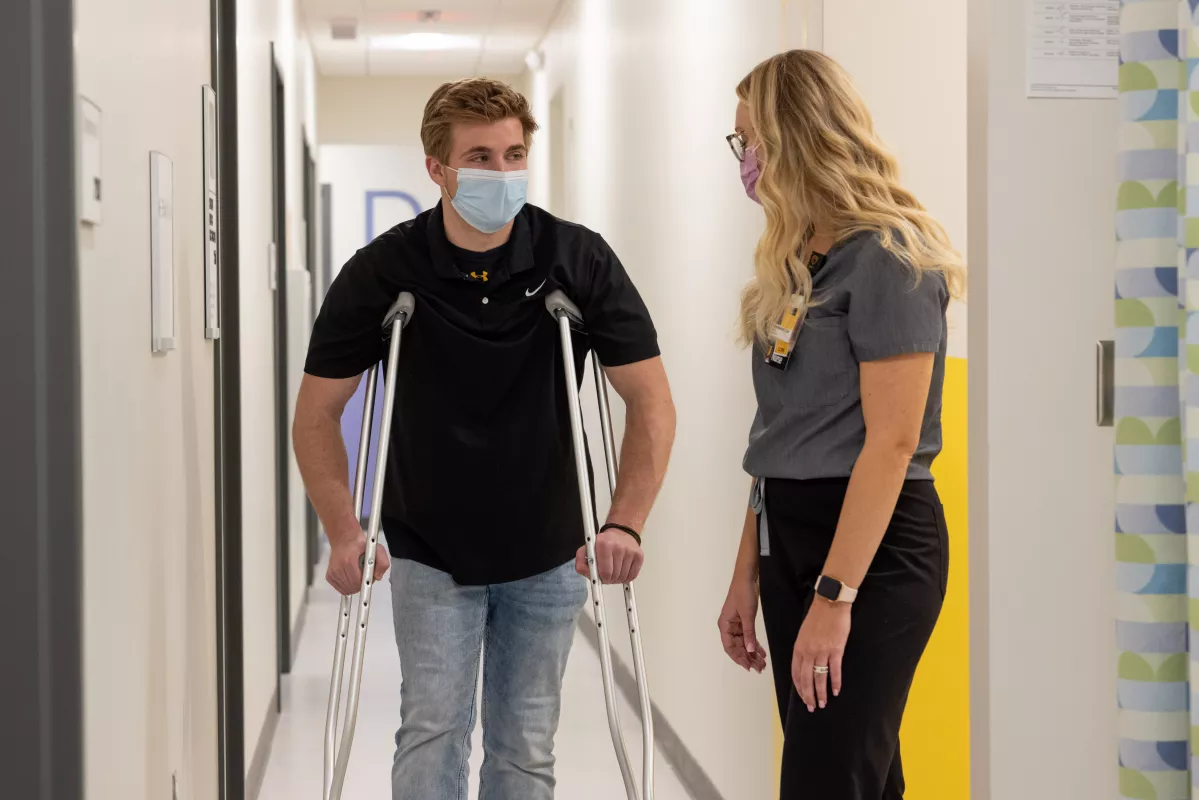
[
  {"x": 890, "y": 311},
  {"x": 347, "y": 337},
  {"x": 615, "y": 316}
]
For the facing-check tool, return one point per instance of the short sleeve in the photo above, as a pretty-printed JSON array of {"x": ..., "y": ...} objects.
[
  {"x": 890, "y": 311},
  {"x": 616, "y": 319},
  {"x": 347, "y": 337}
]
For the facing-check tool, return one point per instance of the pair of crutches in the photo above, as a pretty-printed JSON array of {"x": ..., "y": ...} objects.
[{"x": 337, "y": 756}]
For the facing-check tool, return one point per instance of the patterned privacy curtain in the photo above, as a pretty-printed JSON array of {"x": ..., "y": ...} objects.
[{"x": 1157, "y": 389}]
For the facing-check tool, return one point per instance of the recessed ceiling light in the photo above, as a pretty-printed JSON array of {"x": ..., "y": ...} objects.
[
  {"x": 425, "y": 40},
  {"x": 534, "y": 60}
]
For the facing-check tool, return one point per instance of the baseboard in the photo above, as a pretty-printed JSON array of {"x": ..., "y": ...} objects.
[
  {"x": 262, "y": 751},
  {"x": 693, "y": 777},
  {"x": 298, "y": 628}
]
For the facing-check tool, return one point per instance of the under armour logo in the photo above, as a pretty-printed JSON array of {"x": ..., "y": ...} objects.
[{"x": 480, "y": 276}]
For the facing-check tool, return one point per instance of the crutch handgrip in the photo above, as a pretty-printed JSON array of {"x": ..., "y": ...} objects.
[
  {"x": 557, "y": 302},
  {"x": 402, "y": 308}
]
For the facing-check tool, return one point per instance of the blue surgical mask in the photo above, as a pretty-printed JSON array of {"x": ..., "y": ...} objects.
[{"x": 489, "y": 199}]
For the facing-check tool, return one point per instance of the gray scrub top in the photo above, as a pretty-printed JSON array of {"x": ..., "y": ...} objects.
[{"x": 869, "y": 306}]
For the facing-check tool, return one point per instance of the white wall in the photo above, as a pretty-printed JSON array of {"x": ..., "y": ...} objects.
[
  {"x": 383, "y": 111},
  {"x": 908, "y": 61},
  {"x": 649, "y": 96},
  {"x": 1042, "y": 194},
  {"x": 148, "y": 472},
  {"x": 261, "y": 23}
]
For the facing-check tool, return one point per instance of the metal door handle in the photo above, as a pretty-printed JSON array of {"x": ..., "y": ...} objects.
[{"x": 1105, "y": 383}]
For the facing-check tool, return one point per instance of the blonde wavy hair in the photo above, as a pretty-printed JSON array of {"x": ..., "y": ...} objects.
[{"x": 821, "y": 161}]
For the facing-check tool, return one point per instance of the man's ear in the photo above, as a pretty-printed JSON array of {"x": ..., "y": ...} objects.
[{"x": 437, "y": 171}]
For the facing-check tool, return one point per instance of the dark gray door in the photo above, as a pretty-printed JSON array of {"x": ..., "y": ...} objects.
[{"x": 40, "y": 474}]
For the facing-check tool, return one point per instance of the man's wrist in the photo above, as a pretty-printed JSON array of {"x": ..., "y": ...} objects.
[
  {"x": 627, "y": 529},
  {"x": 347, "y": 531},
  {"x": 618, "y": 516}
]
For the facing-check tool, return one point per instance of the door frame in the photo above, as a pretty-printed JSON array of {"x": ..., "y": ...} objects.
[
  {"x": 41, "y": 489},
  {"x": 312, "y": 522},
  {"x": 231, "y": 732},
  {"x": 282, "y": 428}
]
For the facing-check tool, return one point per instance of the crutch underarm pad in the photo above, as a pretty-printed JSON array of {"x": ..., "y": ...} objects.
[
  {"x": 558, "y": 303},
  {"x": 403, "y": 307}
]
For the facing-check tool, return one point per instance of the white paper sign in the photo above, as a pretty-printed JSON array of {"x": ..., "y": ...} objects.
[
  {"x": 1074, "y": 49},
  {"x": 162, "y": 253}
]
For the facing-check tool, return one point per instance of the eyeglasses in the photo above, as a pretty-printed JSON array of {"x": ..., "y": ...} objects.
[{"x": 737, "y": 144}]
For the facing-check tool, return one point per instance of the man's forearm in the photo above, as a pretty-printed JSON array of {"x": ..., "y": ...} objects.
[
  {"x": 321, "y": 455},
  {"x": 644, "y": 454}
]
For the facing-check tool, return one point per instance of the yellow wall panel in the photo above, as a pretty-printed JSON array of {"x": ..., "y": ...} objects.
[{"x": 936, "y": 728}]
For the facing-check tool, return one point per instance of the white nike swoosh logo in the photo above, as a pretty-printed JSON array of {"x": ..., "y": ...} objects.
[{"x": 531, "y": 292}]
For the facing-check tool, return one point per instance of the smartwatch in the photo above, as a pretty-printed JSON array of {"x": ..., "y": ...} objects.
[{"x": 834, "y": 591}]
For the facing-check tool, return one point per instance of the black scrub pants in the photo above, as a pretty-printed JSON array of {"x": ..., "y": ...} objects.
[{"x": 850, "y": 749}]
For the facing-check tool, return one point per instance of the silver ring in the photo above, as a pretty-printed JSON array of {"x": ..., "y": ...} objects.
[{"x": 819, "y": 670}]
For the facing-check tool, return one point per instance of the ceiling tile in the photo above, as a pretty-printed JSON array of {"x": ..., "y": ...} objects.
[
  {"x": 501, "y": 66},
  {"x": 343, "y": 64},
  {"x": 388, "y": 63},
  {"x": 447, "y": 7},
  {"x": 511, "y": 41},
  {"x": 331, "y": 8},
  {"x": 508, "y": 29},
  {"x": 543, "y": 7}
]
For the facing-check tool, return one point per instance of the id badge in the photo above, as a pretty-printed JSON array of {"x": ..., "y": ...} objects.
[{"x": 782, "y": 344}]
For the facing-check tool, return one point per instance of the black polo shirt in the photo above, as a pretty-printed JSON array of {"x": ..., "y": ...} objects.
[{"x": 481, "y": 479}]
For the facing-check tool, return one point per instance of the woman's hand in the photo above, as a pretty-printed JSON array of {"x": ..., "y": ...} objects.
[
  {"x": 821, "y": 643},
  {"x": 737, "y": 623}
]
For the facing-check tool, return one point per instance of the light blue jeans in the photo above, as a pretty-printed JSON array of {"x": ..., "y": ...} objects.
[{"x": 523, "y": 630}]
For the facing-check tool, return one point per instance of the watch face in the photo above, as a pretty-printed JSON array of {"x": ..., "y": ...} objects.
[{"x": 828, "y": 588}]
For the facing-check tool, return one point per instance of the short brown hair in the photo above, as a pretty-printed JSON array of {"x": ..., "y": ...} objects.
[{"x": 471, "y": 100}]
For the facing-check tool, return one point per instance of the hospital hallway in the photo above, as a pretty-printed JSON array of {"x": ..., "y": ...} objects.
[
  {"x": 818, "y": 249},
  {"x": 586, "y": 766}
]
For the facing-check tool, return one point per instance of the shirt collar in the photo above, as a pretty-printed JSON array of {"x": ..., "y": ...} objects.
[{"x": 520, "y": 251}]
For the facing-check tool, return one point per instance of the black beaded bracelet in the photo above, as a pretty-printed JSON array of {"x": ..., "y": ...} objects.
[{"x": 614, "y": 526}]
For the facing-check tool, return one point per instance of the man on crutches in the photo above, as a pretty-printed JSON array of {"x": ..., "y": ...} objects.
[{"x": 481, "y": 496}]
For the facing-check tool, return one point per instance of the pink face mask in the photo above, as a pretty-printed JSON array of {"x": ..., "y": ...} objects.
[{"x": 750, "y": 173}]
